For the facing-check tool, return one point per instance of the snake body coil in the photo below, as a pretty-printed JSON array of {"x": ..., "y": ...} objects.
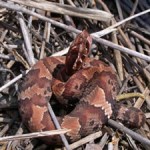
[{"x": 89, "y": 84}]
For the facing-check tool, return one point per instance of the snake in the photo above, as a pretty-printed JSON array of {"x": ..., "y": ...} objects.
[{"x": 83, "y": 87}]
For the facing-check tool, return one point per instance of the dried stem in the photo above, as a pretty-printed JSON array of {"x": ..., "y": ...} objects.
[{"x": 133, "y": 134}]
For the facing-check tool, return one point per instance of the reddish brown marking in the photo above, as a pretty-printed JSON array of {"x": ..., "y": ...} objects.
[
  {"x": 98, "y": 99},
  {"x": 121, "y": 112},
  {"x": 37, "y": 116},
  {"x": 31, "y": 91},
  {"x": 131, "y": 116},
  {"x": 52, "y": 62},
  {"x": 73, "y": 124},
  {"x": 43, "y": 71}
]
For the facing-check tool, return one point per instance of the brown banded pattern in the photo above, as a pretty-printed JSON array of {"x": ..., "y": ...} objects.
[{"x": 92, "y": 84}]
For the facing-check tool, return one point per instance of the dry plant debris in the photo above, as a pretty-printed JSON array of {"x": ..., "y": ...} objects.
[{"x": 33, "y": 29}]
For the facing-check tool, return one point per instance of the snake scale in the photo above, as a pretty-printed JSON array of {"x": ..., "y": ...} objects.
[{"x": 86, "y": 85}]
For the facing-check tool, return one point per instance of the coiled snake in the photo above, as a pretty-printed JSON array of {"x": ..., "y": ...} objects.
[{"x": 87, "y": 84}]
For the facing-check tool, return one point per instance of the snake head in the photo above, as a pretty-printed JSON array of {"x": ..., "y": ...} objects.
[{"x": 78, "y": 52}]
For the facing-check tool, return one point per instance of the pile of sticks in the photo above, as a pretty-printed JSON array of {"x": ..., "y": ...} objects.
[{"x": 32, "y": 30}]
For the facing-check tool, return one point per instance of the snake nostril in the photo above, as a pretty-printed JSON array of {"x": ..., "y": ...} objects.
[
  {"x": 76, "y": 87},
  {"x": 91, "y": 123}
]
